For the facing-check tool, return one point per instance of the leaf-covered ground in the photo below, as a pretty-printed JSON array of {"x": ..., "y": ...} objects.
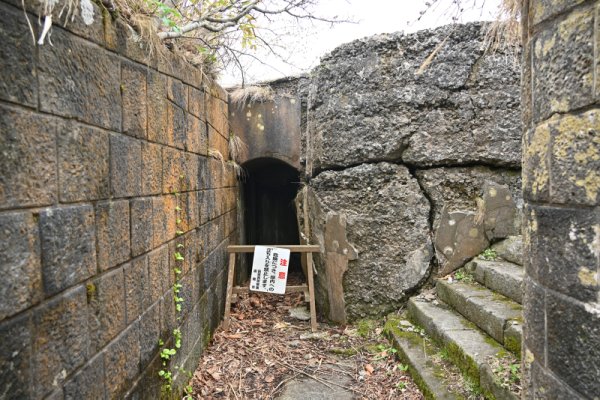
[{"x": 266, "y": 349}]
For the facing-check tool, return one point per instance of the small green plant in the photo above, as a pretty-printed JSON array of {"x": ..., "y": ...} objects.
[
  {"x": 401, "y": 385},
  {"x": 463, "y": 276},
  {"x": 403, "y": 367},
  {"x": 364, "y": 327},
  {"x": 188, "y": 390},
  {"x": 384, "y": 351},
  {"x": 515, "y": 376},
  {"x": 489, "y": 254},
  {"x": 167, "y": 353},
  {"x": 444, "y": 354},
  {"x": 91, "y": 292}
]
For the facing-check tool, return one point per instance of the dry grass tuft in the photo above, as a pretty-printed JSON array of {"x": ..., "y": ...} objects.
[
  {"x": 251, "y": 94},
  {"x": 504, "y": 34},
  {"x": 240, "y": 172},
  {"x": 237, "y": 148},
  {"x": 217, "y": 155}
]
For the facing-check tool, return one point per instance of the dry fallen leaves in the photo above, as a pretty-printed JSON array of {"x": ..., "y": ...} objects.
[{"x": 263, "y": 351}]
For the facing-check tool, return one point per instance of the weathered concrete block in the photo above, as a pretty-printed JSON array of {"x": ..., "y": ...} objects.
[
  {"x": 16, "y": 358},
  {"x": 187, "y": 293},
  {"x": 112, "y": 232},
  {"x": 177, "y": 92},
  {"x": 203, "y": 173},
  {"x": 176, "y": 126},
  {"x": 216, "y": 142},
  {"x": 492, "y": 138},
  {"x": 106, "y": 297},
  {"x": 20, "y": 263},
  {"x": 68, "y": 246},
  {"x": 173, "y": 170},
  {"x": 149, "y": 386},
  {"x": 534, "y": 331},
  {"x": 61, "y": 340},
  {"x": 17, "y": 59},
  {"x": 545, "y": 385},
  {"x": 85, "y": 87},
  {"x": 88, "y": 383},
  {"x": 499, "y": 212},
  {"x": 164, "y": 220},
  {"x": 458, "y": 238},
  {"x": 141, "y": 226},
  {"x": 91, "y": 30},
  {"x": 456, "y": 188},
  {"x": 575, "y": 159},
  {"x": 191, "y": 165},
  {"x": 122, "y": 362},
  {"x": 526, "y": 87},
  {"x": 133, "y": 90},
  {"x": 167, "y": 315},
  {"x": 563, "y": 252},
  {"x": 158, "y": 274},
  {"x": 189, "y": 211},
  {"x": 28, "y": 143},
  {"x": 211, "y": 270},
  {"x": 215, "y": 90},
  {"x": 151, "y": 168},
  {"x": 136, "y": 284},
  {"x": 544, "y": 9},
  {"x": 563, "y": 60},
  {"x": 573, "y": 343},
  {"x": 196, "y": 104},
  {"x": 510, "y": 249},
  {"x": 125, "y": 166},
  {"x": 449, "y": 114},
  {"x": 536, "y": 168},
  {"x": 83, "y": 165},
  {"x": 197, "y": 136},
  {"x": 217, "y": 114},
  {"x": 149, "y": 334},
  {"x": 117, "y": 37},
  {"x": 395, "y": 260},
  {"x": 157, "y": 108}
]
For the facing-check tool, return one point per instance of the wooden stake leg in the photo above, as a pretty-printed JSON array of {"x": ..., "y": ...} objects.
[
  {"x": 230, "y": 275},
  {"x": 311, "y": 292}
]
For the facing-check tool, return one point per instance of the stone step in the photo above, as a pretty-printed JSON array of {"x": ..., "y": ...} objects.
[
  {"x": 493, "y": 313},
  {"x": 500, "y": 276},
  {"x": 510, "y": 249},
  {"x": 424, "y": 360},
  {"x": 475, "y": 353}
]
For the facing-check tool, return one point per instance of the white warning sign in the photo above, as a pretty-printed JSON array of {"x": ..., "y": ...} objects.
[{"x": 269, "y": 269}]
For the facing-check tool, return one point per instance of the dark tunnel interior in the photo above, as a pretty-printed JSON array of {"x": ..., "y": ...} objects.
[{"x": 269, "y": 190}]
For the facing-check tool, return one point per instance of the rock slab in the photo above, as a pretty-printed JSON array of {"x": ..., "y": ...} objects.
[{"x": 387, "y": 224}]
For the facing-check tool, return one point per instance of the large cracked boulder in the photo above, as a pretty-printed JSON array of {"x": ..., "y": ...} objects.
[
  {"x": 385, "y": 216},
  {"x": 370, "y": 102}
]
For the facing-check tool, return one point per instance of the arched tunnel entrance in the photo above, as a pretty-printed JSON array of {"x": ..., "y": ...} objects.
[{"x": 268, "y": 194}]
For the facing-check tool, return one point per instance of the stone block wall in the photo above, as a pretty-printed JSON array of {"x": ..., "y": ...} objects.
[
  {"x": 95, "y": 137},
  {"x": 392, "y": 148},
  {"x": 561, "y": 187}
]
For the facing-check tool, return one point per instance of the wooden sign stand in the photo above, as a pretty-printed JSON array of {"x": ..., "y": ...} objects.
[{"x": 231, "y": 290}]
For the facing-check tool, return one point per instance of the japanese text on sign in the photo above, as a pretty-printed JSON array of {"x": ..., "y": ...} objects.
[{"x": 269, "y": 269}]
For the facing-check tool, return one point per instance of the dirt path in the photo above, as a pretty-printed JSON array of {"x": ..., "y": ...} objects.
[{"x": 269, "y": 354}]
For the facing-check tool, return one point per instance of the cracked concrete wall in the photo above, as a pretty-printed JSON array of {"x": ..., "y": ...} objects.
[
  {"x": 561, "y": 187},
  {"x": 387, "y": 149}
]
